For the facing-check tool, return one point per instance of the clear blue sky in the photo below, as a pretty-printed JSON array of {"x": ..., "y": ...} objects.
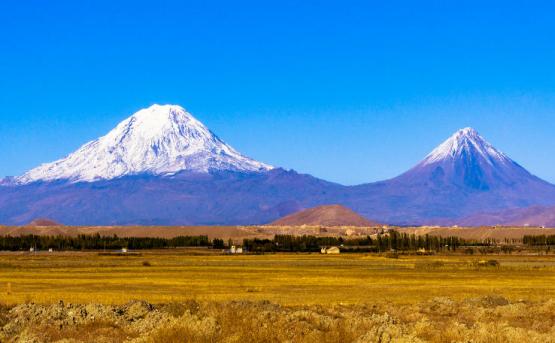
[{"x": 348, "y": 91}]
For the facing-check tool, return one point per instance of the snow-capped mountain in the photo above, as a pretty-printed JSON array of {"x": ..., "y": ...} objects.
[
  {"x": 159, "y": 140},
  {"x": 466, "y": 142},
  {"x": 467, "y": 159},
  {"x": 129, "y": 167}
]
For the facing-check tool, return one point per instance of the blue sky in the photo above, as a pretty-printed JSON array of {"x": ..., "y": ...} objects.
[{"x": 348, "y": 91}]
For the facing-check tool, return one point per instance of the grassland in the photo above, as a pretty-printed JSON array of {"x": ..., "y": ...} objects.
[
  {"x": 287, "y": 279},
  {"x": 201, "y": 296}
]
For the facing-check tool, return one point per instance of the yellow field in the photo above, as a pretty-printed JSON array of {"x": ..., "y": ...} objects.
[{"x": 287, "y": 279}]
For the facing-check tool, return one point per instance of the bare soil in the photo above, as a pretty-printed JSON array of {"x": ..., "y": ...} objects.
[{"x": 238, "y": 233}]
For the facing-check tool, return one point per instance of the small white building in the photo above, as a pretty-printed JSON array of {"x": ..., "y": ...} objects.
[
  {"x": 235, "y": 250},
  {"x": 330, "y": 251}
]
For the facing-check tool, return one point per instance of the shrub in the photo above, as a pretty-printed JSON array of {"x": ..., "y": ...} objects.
[
  {"x": 430, "y": 265},
  {"x": 493, "y": 263}
]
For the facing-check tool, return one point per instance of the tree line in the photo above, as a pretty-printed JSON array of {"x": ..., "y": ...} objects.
[
  {"x": 392, "y": 241},
  {"x": 539, "y": 240},
  {"x": 98, "y": 242},
  {"x": 383, "y": 242}
]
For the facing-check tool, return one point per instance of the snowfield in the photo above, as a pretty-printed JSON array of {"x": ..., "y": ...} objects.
[{"x": 159, "y": 140}]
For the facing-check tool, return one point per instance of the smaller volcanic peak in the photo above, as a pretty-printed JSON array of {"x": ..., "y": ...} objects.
[
  {"x": 159, "y": 140},
  {"x": 327, "y": 215},
  {"x": 468, "y": 161},
  {"x": 466, "y": 142}
]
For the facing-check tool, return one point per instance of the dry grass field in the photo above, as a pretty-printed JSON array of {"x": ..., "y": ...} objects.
[
  {"x": 287, "y": 279},
  {"x": 190, "y": 295}
]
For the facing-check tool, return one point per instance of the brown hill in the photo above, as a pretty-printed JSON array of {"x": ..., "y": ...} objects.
[
  {"x": 327, "y": 215},
  {"x": 44, "y": 222}
]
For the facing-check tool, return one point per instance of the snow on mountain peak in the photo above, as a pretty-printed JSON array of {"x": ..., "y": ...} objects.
[
  {"x": 160, "y": 140},
  {"x": 466, "y": 141}
]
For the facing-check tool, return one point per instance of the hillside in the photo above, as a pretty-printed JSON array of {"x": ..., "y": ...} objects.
[
  {"x": 327, "y": 215},
  {"x": 529, "y": 216},
  {"x": 44, "y": 222}
]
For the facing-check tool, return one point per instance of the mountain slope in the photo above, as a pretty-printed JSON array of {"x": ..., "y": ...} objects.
[
  {"x": 173, "y": 171},
  {"x": 186, "y": 198},
  {"x": 325, "y": 215},
  {"x": 463, "y": 176},
  {"x": 157, "y": 140},
  {"x": 528, "y": 216}
]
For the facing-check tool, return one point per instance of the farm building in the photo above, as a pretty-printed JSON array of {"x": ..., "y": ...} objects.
[
  {"x": 330, "y": 250},
  {"x": 235, "y": 250}
]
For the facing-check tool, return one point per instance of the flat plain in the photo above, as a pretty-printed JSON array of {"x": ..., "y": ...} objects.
[
  {"x": 287, "y": 279},
  {"x": 201, "y": 295}
]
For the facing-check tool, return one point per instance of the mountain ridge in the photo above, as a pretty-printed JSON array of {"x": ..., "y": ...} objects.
[{"x": 174, "y": 185}]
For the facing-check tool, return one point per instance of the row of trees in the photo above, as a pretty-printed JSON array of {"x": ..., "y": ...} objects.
[
  {"x": 390, "y": 241},
  {"x": 98, "y": 242},
  {"x": 393, "y": 240},
  {"x": 540, "y": 240}
]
